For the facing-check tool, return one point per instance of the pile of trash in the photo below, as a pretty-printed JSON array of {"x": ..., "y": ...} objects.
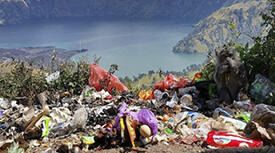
[{"x": 106, "y": 115}]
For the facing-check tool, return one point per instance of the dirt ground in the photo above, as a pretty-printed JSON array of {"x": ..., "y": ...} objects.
[
  {"x": 181, "y": 148},
  {"x": 161, "y": 148}
]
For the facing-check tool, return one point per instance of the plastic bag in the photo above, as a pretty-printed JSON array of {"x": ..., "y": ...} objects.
[
  {"x": 226, "y": 139},
  {"x": 52, "y": 77},
  {"x": 144, "y": 95},
  {"x": 170, "y": 82},
  {"x": 262, "y": 89},
  {"x": 143, "y": 116},
  {"x": 100, "y": 79},
  {"x": 174, "y": 101},
  {"x": 237, "y": 123},
  {"x": 79, "y": 121},
  {"x": 160, "y": 95}
]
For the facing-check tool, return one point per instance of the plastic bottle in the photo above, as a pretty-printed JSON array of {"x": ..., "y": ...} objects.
[
  {"x": 237, "y": 123},
  {"x": 219, "y": 111},
  {"x": 226, "y": 139},
  {"x": 79, "y": 121}
]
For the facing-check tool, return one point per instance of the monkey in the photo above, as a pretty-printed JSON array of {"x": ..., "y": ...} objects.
[{"x": 230, "y": 75}]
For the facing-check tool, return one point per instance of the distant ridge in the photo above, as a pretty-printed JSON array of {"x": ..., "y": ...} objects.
[
  {"x": 213, "y": 31},
  {"x": 19, "y": 11},
  {"x": 41, "y": 55}
]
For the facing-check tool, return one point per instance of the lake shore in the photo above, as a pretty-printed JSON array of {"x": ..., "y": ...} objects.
[
  {"x": 38, "y": 55},
  {"x": 135, "y": 46}
]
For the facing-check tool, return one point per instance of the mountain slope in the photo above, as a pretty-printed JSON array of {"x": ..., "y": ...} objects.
[
  {"x": 214, "y": 30},
  {"x": 18, "y": 11}
]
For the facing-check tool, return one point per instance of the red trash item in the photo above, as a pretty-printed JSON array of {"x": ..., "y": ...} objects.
[
  {"x": 100, "y": 78},
  {"x": 196, "y": 77},
  {"x": 227, "y": 139},
  {"x": 109, "y": 97},
  {"x": 170, "y": 82}
]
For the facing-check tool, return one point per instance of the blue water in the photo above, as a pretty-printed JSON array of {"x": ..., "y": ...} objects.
[{"x": 136, "y": 46}]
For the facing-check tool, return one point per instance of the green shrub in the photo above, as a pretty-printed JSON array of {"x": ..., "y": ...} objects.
[
  {"x": 260, "y": 58},
  {"x": 208, "y": 70},
  {"x": 24, "y": 81},
  {"x": 73, "y": 77}
]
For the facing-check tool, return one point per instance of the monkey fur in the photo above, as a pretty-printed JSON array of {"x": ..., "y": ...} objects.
[{"x": 230, "y": 75}]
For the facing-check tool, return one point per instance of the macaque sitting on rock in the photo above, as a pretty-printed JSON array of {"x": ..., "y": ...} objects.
[{"x": 230, "y": 75}]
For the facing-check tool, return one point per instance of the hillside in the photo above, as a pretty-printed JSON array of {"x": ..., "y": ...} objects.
[
  {"x": 19, "y": 11},
  {"x": 39, "y": 55},
  {"x": 214, "y": 31}
]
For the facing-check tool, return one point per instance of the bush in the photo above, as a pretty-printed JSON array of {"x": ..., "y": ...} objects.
[
  {"x": 208, "y": 70},
  {"x": 26, "y": 81},
  {"x": 260, "y": 58},
  {"x": 73, "y": 77},
  {"x": 23, "y": 81}
]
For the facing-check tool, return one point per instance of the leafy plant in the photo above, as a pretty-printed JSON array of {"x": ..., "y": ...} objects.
[
  {"x": 260, "y": 58},
  {"x": 73, "y": 77},
  {"x": 24, "y": 81},
  {"x": 208, "y": 70}
]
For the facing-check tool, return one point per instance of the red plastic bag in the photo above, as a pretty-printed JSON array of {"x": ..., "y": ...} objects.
[
  {"x": 100, "y": 78},
  {"x": 227, "y": 139},
  {"x": 170, "y": 82}
]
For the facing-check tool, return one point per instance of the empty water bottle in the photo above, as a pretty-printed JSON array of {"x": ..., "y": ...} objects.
[{"x": 219, "y": 111}]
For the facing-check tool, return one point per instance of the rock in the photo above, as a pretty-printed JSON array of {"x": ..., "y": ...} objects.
[
  {"x": 28, "y": 114},
  {"x": 43, "y": 97},
  {"x": 261, "y": 125}
]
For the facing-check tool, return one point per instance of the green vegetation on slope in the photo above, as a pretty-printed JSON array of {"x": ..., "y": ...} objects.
[
  {"x": 258, "y": 59},
  {"x": 214, "y": 31},
  {"x": 23, "y": 81}
]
